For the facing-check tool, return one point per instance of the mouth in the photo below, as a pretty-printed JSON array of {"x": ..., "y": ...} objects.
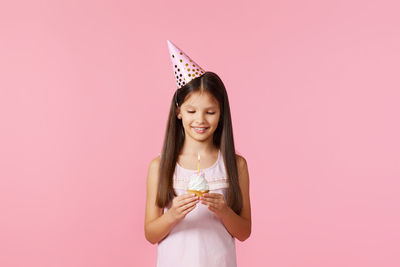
[{"x": 200, "y": 129}]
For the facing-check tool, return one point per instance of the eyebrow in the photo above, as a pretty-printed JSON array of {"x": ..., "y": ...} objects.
[{"x": 190, "y": 106}]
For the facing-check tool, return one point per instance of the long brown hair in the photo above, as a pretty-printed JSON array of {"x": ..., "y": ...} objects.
[{"x": 222, "y": 139}]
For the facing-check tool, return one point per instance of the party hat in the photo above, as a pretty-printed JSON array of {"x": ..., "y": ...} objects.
[{"x": 185, "y": 68}]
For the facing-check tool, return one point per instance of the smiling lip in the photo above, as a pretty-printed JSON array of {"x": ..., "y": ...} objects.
[{"x": 200, "y": 129}]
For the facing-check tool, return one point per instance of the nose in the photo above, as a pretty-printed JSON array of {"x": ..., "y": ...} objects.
[{"x": 199, "y": 117}]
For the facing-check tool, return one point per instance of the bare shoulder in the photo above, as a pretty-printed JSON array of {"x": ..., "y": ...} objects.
[
  {"x": 241, "y": 163},
  {"x": 155, "y": 163},
  {"x": 244, "y": 181},
  {"x": 153, "y": 169}
]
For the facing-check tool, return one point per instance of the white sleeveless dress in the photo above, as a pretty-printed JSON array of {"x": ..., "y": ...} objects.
[{"x": 200, "y": 239}]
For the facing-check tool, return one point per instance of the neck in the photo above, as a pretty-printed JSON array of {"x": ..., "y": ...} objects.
[{"x": 191, "y": 146}]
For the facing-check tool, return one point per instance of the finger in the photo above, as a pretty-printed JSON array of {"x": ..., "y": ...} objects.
[
  {"x": 187, "y": 200},
  {"x": 188, "y": 210},
  {"x": 178, "y": 198},
  {"x": 212, "y": 205},
  {"x": 211, "y": 195},
  {"x": 186, "y": 196},
  {"x": 212, "y": 209},
  {"x": 184, "y": 211},
  {"x": 209, "y": 200},
  {"x": 188, "y": 205}
]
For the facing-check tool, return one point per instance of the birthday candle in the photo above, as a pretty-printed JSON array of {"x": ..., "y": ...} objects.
[{"x": 198, "y": 164}]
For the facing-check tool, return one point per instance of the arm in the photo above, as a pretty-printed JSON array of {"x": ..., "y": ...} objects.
[
  {"x": 158, "y": 225},
  {"x": 238, "y": 226}
]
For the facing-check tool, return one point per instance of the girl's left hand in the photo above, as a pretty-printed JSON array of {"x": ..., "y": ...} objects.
[{"x": 216, "y": 203}]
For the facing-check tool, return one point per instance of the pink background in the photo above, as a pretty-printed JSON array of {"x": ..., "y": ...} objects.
[{"x": 85, "y": 88}]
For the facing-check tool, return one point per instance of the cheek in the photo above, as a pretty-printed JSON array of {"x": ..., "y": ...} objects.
[
  {"x": 217, "y": 118},
  {"x": 185, "y": 122},
  {"x": 215, "y": 121}
]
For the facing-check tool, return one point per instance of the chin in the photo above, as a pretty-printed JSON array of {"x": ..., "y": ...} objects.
[{"x": 203, "y": 138}]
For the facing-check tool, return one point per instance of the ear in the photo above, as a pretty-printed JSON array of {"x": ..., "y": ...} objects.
[{"x": 178, "y": 113}]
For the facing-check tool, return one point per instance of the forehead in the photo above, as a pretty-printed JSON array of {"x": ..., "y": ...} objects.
[{"x": 200, "y": 99}]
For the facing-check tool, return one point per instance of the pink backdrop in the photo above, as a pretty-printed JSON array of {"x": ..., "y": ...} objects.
[{"x": 314, "y": 90}]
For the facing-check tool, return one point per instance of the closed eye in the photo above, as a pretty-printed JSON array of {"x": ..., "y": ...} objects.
[{"x": 191, "y": 111}]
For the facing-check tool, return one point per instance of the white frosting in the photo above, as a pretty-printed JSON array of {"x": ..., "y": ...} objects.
[{"x": 197, "y": 182}]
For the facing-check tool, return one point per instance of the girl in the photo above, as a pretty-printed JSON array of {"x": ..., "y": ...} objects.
[{"x": 193, "y": 231}]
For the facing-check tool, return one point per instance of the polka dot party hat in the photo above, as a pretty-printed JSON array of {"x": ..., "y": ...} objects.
[{"x": 185, "y": 68}]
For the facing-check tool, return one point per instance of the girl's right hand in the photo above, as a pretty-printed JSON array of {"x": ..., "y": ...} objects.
[{"x": 182, "y": 205}]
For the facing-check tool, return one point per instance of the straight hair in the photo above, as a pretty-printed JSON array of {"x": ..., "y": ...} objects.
[{"x": 222, "y": 139}]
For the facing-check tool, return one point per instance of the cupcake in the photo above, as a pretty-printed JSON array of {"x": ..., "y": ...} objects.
[{"x": 197, "y": 184}]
